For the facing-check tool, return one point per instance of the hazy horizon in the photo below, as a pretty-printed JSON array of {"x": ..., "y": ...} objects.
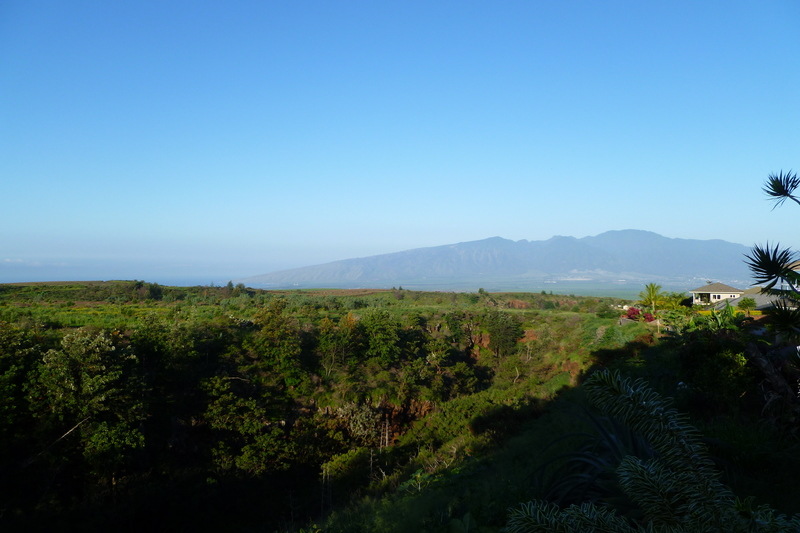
[
  {"x": 165, "y": 141},
  {"x": 218, "y": 273}
]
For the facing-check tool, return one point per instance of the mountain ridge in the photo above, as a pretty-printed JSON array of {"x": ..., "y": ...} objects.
[{"x": 616, "y": 256}]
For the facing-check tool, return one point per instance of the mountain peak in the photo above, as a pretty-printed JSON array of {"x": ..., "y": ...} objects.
[{"x": 637, "y": 256}]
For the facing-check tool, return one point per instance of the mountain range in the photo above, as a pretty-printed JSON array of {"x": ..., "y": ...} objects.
[{"x": 620, "y": 258}]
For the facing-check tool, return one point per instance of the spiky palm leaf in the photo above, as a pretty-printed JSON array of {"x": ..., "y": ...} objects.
[
  {"x": 771, "y": 265},
  {"x": 785, "y": 319},
  {"x": 781, "y": 187}
]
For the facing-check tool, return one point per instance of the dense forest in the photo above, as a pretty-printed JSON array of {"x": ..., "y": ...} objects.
[{"x": 135, "y": 406}]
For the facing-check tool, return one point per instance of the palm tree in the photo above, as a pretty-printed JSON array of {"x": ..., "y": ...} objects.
[
  {"x": 775, "y": 266},
  {"x": 651, "y": 296}
]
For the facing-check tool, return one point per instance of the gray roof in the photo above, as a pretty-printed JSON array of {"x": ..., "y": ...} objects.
[
  {"x": 717, "y": 287},
  {"x": 763, "y": 301}
]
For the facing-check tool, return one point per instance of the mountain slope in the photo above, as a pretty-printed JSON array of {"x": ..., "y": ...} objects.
[{"x": 631, "y": 255}]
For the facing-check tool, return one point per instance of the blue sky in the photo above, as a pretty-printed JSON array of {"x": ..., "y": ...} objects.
[{"x": 207, "y": 141}]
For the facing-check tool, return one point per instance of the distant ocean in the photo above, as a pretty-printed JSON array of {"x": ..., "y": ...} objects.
[{"x": 171, "y": 280}]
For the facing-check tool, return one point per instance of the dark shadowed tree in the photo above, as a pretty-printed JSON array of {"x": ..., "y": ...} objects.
[
  {"x": 276, "y": 346},
  {"x": 91, "y": 386},
  {"x": 674, "y": 489}
]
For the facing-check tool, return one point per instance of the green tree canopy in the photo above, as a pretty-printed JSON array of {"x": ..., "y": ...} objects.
[
  {"x": 383, "y": 336},
  {"x": 504, "y": 332},
  {"x": 746, "y": 304},
  {"x": 91, "y": 383}
]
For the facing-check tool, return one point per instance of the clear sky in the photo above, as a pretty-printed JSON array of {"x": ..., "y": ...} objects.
[{"x": 207, "y": 141}]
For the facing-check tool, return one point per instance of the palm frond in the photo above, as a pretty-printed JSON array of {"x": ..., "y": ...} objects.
[
  {"x": 589, "y": 472},
  {"x": 763, "y": 518},
  {"x": 677, "y": 489},
  {"x": 678, "y": 444},
  {"x": 657, "y": 490},
  {"x": 676, "y": 500},
  {"x": 643, "y": 410},
  {"x": 785, "y": 318},
  {"x": 544, "y": 517},
  {"x": 781, "y": 187},
  {"x": 534, "y": 516},
  {"x": 770, "y": 265}
]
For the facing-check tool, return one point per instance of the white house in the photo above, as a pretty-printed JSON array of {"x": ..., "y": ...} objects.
[{"x": 714, "y": 293}]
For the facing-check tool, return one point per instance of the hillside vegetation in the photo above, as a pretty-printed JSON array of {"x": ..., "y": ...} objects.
[{"x": 134, "y": 406}]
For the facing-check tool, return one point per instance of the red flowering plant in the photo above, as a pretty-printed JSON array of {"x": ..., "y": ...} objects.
[{"x": 634, "y": 313}]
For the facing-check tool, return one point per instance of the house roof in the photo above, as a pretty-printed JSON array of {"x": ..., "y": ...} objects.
[
  {"x": 716, "y": 287},
  {"x": 763, "y": 301}
]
